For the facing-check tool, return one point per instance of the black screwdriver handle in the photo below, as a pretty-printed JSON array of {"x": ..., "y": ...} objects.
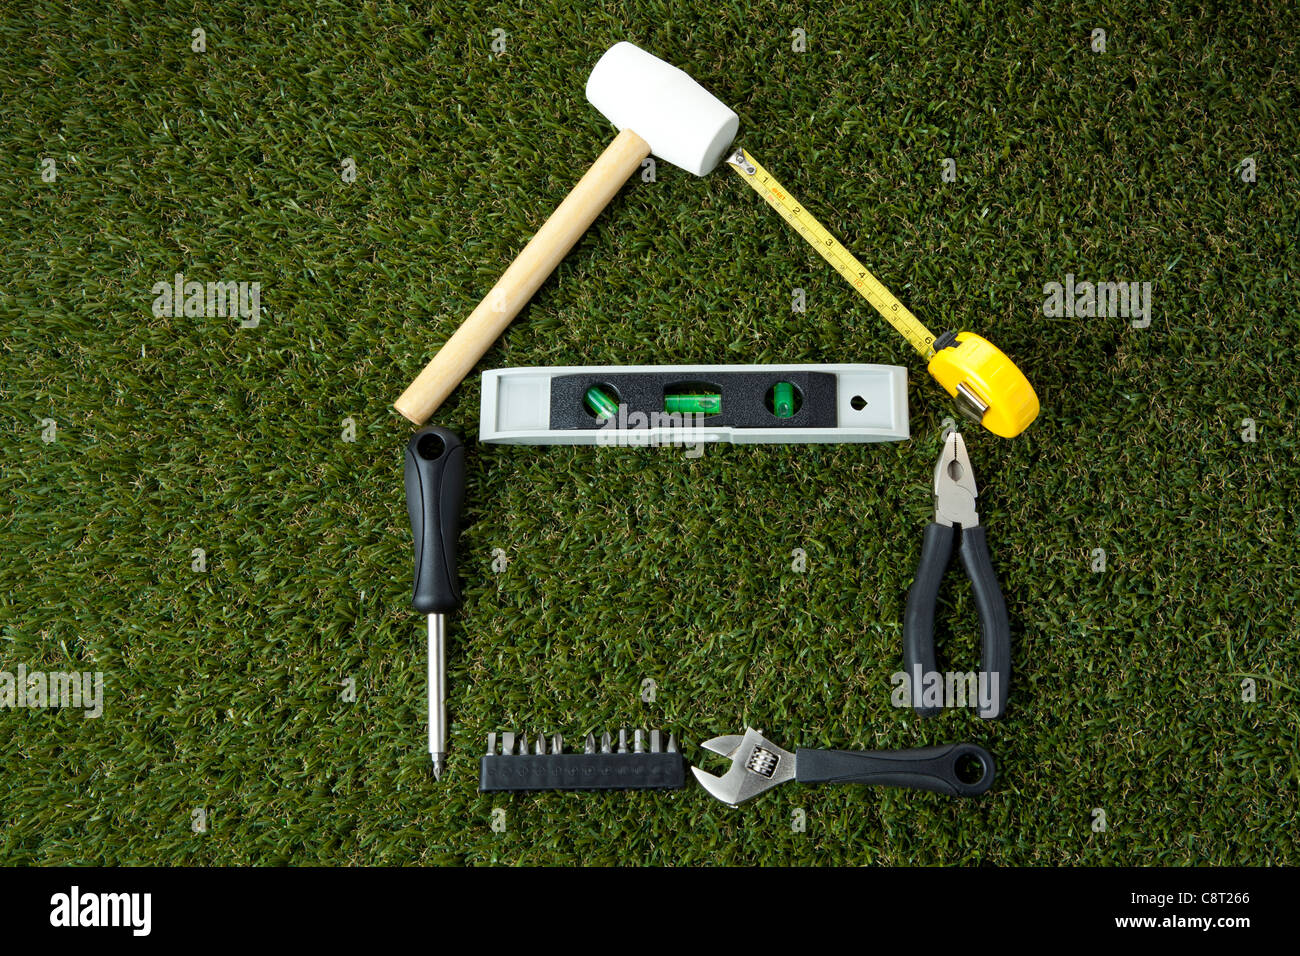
[
  {"x": 435, "y": 491},
  {"x": 925, "y": 768}
]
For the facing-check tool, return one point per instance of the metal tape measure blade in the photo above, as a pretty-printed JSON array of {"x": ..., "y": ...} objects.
[
  {"x": 984, "y": 381},
  {"x": 843, "y": 261}
]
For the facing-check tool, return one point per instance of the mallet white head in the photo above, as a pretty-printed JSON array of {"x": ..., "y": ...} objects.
[{"x": 684, "y": 123}]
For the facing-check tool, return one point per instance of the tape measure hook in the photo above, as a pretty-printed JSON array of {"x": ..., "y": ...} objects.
[{"x": 741, "y": 162}]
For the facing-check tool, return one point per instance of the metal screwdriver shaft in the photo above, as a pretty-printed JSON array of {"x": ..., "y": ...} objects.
[
  {"x": 437, "y": 692},
  {"x": 435, "y": 490}
]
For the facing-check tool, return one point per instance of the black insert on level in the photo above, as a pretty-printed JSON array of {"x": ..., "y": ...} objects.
[{"x": 744, "y": 398}]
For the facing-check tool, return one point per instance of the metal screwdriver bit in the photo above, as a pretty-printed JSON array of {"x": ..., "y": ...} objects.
[
  {"x": 589, "y": 745},
  {"x": 492, "y": 743},
  {"x": 540, "y": 746},
  {"x": 557, "y": 744},
  {"x": 437, "y": 677},
  {"x": 655, "y": 740},
  {"x": 638, "y": 742},
  {"x": 672, "y": 744},
  {"x": 507, "y": 744},
  {"x": 605, "y": 747},
  {"x": 622, "y": 740}
]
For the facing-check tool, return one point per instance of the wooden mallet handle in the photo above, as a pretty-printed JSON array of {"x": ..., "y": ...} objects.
[{"x": 549, "y": 245}]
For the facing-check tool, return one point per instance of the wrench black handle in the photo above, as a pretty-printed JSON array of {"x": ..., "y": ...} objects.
[{"x": 925, "y": 768}]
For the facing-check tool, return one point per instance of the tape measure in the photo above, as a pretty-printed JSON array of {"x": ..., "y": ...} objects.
[{"x": 987, "y": 386}]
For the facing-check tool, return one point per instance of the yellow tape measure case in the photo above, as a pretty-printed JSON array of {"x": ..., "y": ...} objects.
[{"x": 986, "y": 384}]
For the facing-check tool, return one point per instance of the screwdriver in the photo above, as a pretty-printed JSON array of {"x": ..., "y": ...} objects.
[{"x": 435, "y": 490}]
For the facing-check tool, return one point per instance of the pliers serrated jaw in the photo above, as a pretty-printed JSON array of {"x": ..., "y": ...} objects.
[{"x": 955, "y": 490}]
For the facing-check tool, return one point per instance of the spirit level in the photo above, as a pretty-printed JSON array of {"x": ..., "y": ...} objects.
[{"x": 656, "y": 404}]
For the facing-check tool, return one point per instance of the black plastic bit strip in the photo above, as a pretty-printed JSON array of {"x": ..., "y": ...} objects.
[{"x": 615, "y": 771}]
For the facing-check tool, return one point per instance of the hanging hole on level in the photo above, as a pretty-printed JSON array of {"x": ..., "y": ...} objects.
[{"x": 858, "y": 403}]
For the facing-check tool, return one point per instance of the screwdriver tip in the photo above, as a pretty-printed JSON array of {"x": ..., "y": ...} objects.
[{"x": 437, "y": 766}]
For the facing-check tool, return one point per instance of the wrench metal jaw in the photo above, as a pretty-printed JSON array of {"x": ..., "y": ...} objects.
[
  {"x": 726, "y": 746},
  {"x": 757, "y": 765}
]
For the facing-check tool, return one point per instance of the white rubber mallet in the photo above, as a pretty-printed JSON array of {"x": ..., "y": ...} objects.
[{"x": 658, "y": 109}]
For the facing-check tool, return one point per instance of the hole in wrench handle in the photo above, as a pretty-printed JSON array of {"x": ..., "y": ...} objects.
[{"x": 924, "y": 768}]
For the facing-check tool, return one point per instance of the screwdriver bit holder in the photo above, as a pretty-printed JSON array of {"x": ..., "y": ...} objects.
[{"x": 516, "y": 769}]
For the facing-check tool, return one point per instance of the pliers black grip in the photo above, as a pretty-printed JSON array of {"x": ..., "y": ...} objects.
[{"x": 956, "y": 527}]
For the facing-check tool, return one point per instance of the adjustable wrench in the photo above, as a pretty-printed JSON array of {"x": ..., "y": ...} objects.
[{"x": 758, "y": 765}]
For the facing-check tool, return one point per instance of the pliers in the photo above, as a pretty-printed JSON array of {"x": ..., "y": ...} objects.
[{"x": 955, "y": 516}]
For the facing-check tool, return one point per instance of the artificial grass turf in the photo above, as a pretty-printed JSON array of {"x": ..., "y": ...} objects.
[{"x": 223, "y": 688}]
